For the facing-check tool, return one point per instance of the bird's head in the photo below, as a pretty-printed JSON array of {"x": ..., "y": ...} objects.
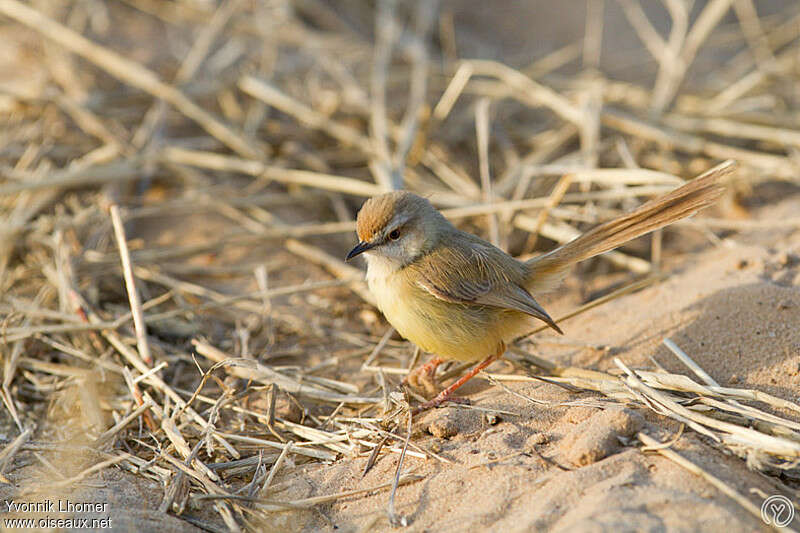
[{"x": 398, "y": 227}]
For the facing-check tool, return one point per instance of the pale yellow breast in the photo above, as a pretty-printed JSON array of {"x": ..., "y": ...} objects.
[{"x": 449, "y": 330}]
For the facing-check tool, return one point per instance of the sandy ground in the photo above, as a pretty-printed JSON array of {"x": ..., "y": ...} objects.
[{"x": 570, "y": 463}]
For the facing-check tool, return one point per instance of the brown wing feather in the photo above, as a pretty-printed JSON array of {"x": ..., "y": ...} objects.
[{"x": 471, "y": 271}]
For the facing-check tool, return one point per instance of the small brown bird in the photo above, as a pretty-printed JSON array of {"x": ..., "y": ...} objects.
[{"x": 459, "y": 297}]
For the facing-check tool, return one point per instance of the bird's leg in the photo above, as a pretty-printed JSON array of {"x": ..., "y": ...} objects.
[
  {"x": 446, "y": 393},
  {"x": 424, "y": 377}
]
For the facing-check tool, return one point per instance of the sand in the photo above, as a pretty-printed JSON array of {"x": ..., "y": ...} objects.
[
  {"x": 527, "y": 455},
  {"x": 574, "y": 464}
]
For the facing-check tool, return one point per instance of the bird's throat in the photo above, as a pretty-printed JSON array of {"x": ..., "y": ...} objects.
[{"x": 381, "y": 266}]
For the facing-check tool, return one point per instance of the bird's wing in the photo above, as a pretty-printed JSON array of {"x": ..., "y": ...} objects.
[{"x": 477, "y": 274}]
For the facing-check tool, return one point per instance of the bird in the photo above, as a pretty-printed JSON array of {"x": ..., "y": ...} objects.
[{"x": 461, "y": 298}]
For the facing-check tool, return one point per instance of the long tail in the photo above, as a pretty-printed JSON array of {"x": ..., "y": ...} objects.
[{"x": 547, "y": 271}]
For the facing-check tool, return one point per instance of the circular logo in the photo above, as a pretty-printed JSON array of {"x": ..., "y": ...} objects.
[{"x": 777, "y": 510}]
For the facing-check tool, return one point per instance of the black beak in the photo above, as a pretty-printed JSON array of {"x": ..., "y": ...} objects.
[{"x": 360, "y": 248}]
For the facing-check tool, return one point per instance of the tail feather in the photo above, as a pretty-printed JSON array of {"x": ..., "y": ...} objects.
[{"x": 547, "y": 271}]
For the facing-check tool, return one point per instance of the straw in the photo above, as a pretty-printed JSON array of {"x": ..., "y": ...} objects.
[{"x": 173, "y": 224}]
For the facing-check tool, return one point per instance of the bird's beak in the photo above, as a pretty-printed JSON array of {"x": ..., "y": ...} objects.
[{"x": 360, "y": 248}]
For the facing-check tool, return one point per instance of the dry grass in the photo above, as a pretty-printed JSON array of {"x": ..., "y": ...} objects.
[{"x": 177, "y": 379}]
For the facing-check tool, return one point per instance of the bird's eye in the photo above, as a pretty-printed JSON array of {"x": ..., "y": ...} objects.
[{"x": 394, "y": 234}]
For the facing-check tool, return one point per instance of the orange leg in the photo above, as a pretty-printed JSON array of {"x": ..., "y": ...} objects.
[
  {"x": 445, "y": 394},
  {"x": 428, "y": 369},
  {"x": 424, "y": 377}
]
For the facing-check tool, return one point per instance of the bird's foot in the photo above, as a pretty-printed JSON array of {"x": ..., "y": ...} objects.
[
  {"x": 438, "y": 401},
  {"x": 446, "y": 394},
  {"x": 423, "y": 378}
]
